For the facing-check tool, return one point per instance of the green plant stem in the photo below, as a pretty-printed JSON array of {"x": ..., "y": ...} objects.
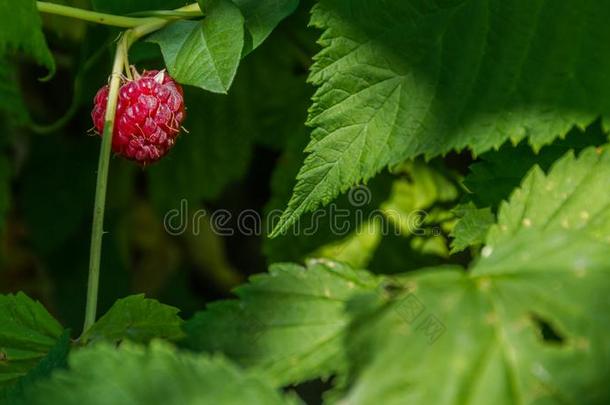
[
  {"x": 97, "y": 229},
  {"x": 167, "y": 14},
  {"x": 93, "y": 16}
]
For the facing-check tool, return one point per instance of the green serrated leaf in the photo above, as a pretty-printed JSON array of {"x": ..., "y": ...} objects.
[
  {"x": 572, "y": 196},
  {"x": 27, "y": 334},
  {"x": 471, "y": 227},
  {"x": 55, "y": 358},
  {"x": 531, "y": 310},
  {"x": 498, "y": 172},
  {"x": 288, "y": 324},
  {"x": 137, "y": 319},
  {"x": 157, "y": 374},
  {"x": 483, "y": 334},
  {"x": 412, "y": 78},
  {"x": 205, "y": 53},
  {"x": 22, "y": 31},
  {"x": 262, "y": 16}
]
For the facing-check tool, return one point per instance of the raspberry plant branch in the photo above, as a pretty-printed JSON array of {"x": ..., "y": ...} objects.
[
  {"x": 93, "y": 16},
  {"x": 97, "y": 230},
  {"x": 167, "y": 14},
  {"x": 146, "y": 18}
]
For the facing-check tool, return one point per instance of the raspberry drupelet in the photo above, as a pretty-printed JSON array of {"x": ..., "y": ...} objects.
[{"x": 150, "y": 111}]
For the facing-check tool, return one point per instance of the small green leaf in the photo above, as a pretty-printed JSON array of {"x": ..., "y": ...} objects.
[
  {"x": 157, "y": 374},
  {"x": 27, "y": 333},
  {"x": 262, "y": 16},
  {"x": 574, "y": 195},
  {"x": 205, "y": 53},
  {"x": 471, "y": 227},
  {"x": 288, "y": 323},
  {"x": 498, "y": 172},
  {"x": 22, "y": 31},
  {"x": 137, "y": 319}
]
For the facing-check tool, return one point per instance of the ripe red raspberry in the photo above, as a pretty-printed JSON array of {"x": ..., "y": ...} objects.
[{"x": 149, "y": 113}]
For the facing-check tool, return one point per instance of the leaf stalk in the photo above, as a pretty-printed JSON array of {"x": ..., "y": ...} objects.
[
  {"x": 189, "y": 11},
  {"x": 93, "y": 16}
]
